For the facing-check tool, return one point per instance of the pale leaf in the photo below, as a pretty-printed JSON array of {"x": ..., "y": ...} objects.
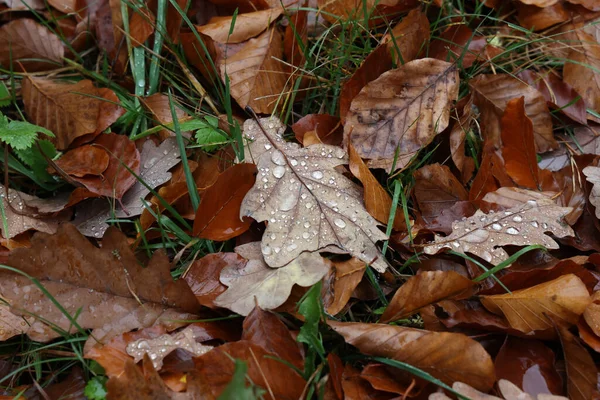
[
  {"x": 592, "y": 175},
  {"x": 307, "y": 203},
  {"x": 563, "y": 299},
  {"x": 255, "y": 283},
  {"x": 508, "y": 389},
  {"x": 484, "y": 234}
]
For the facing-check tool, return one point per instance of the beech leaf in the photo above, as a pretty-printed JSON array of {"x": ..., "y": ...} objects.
[
  {"x": 447, "y": 356},
  {"x": 484, "y": 234},
  {"x": 255, "y": 283},
  {"x": 563, "y": 299},
  {"x": 404, "y": 109},
  {"x": 307, "y": 203},
  {"x": 102, "y": 289}
]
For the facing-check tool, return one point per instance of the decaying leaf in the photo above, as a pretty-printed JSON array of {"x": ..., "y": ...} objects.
[
  {"x": 155, "y": 162},
  {"x": 102, "y": 289},
  {"x": 255, "y": 283},
  {"x": 484, "y": 234},
  {"x": 508, "y": 389},
  {"x": 403, "y": 109},
  {"x": 593, "y": 176},
  {"x": 307, "y": 203},
  {"x": 563, "y": 299},
  {"x": 449, "y": 357},
  {"x": 158, "y": 348}
]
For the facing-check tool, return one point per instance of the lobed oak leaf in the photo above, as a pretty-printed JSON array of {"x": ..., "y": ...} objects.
[
  {"x": 592, "y": 174},
  {"x": 563, "y": 300},
  {"x": 255, "y": 283},
  {"x": 449, "y": 357},
  {"x": 29, "y": 46},
  {"x": 484, "y": 234},
  {"x": 403, "y": 109},
  {"x": 102, "y": 289},
  {"x": 308, "y": 204}
]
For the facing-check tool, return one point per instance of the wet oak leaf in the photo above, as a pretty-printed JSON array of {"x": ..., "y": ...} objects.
[
  {"x": 307, "y": 203},
  {"x": 563, "y": 300},
  {"x": 491, "y": 94},
  {"x": 29, "y": 46},
  {"x": 102, "y": 289},
  {"x": 255, "y": 283},
  {"x": 447, "y": 356},
  {"x": 424, "y": 289},
  {"x": 218, "y": 215},
  {"x": 484, "y": 234},
  {"x": 403, "y": 109}
]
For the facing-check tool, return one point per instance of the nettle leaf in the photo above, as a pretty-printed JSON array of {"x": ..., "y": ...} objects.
[
  {"x": 209, "y": 135},
  {"x": 308, "y": 204},
  {"x": 20, "y": 135},
  {"x": 484, "y": 234}
]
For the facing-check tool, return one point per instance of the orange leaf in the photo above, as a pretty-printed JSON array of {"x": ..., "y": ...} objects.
[
  {"x": 84, "y": 160},
  {"x": 347, "y": 275}
]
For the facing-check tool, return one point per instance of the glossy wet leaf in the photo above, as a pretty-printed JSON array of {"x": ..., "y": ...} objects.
[{"x": 308, "y": 204}]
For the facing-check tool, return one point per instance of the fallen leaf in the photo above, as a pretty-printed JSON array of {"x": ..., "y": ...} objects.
[
  {"x": 346, "y": 277},
  {"x": 592, "y": 314},
  {"x": 28, "y": 46},
  {"x": 327, "y": 128},
  {"x": 69, "y": 110},
  {"x": 255, "y": 283},
  {"x": 424, "y": 289},
  {"x": 389, "y": 379},
  {"x": 257, "y": 76},
  {"x": 355, "y": 387},
  {"x": 509, "y": 392},
  {"x": 491, "y": 175},
  {"x": 12, "y": 325},
  {"x": 518, "y": 150},
  {"x": 459, "y": 42},
  {"x": 563, "y": 299},
  {"x": 141, "y": 25},
  {"x": 436, "y": 189},
  {"x": 159, "y": 106},
  {"x": 585, "y": 140},
  {"x": 537, "y": 19},
  {"x": 218, "y": 215},
  {"x": 491, "y": 93},
  {"x": 593, "y": 176},
  {"x": 408, "y": 37},
  {"x": 155, "y": 162},
  {"x": 245, "y": 27},
  {"x": 449, "y": 357},
  {"x": 102, "y": 287},
  {"x": 483, "y": 234},
  {"x": 582, "y": 375},
  {"x": 404, "y": 108},
  {"x": 354, "y": 10},
  {"x": 580, "y": 70},
  {"x": 377, "y": 200},
  {"x": 308, "y": 204},
  {"x": 528, "y": 364},
  {"x": 160, "y": 347},
  {"x": 509, "y": 197},
  {"x": 24, "y": 4},
  {"x": 264, "y": 370},
  {"x": 84, "y": 160}
]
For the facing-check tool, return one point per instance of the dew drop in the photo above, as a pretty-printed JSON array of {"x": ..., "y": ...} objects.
[
  {"x": 268, "y": 146},
  {"x": 306, "y": 235},
  {"x": 308, "y": 205},
  {"x": 273, "y": 236},
  {"x": 278, "y": 171},
  {"x": 277, "y": 250},
  {"x": 317, "y": 175},
  {"x": 512, "y": 231},
  {"x": 294, "y": 162},
  {"x": 339, "y": 223},
  {"x": 486, "y": 256},
  {"x": 307, "y": 224},
  {"x": 266, "y": 250},
  {"x": 544, "y": 225},
  {"x": 292, "y": 247},
  {"x": 278, "y": 158},
  {"x": 517, "y": 218},
  {"x": 496, "y": 227},
  {"x": 456, "y": 244},
  {"x": 535, "y": 224}
]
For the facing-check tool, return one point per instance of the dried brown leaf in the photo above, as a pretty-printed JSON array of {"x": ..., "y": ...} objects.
[
  {"x": 408, "y": 37},
  {"x": 404, "y": 108},
  {"x": 346, "y": 277},
  {"x": 255, "y": 283},
  {"x": 245, "y": 27},
  {"x": 308, "y": 204},
  {"x": 581, "y": 69},
  {"x": 484, "y": 234},
  {"x": 593, "y": 176}
]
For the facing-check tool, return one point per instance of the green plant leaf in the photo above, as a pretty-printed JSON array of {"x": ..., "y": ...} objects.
[
  {"x": 209, "y": 135},
  {"x": 236, "y": 389},
  {"x": 5, "y": 96},
  {"x": 33, "y": 158},
  {"x": 19, "y": 134},
  {"x": 95, "y": 389}
]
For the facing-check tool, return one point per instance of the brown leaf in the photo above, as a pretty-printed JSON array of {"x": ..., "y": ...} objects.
[
  {"x": 458, "y": 138},
  {"x": 264, "y": 329},
  {"x": 563, "y": 299},
  {"x": 377, "y": 200},
  {"x": 582, "y": 375},
  {"x": 84, "y": 160},
  {"x": 309, "y": 205},
  {"x": 141, "y": 25},
  {"x": 102, "y": 287},
  {"x": 326, "y": 128},
  {"x": 484, "y": 234},
  {"x": 537, "y": 19},
  {"x": 354, "y": 9},
  {"x": 518, "y": 151},
  {"x": 491, "y": 175},
  {"x": 203, "y": 276},
  {"x": 264, "y": 370},
  {"x": 218, "y": 215},
  {"x": 357, "y": 388},
  {"x": 593, "y": 176},
  {"x": 255, "y": 283},
  {"x": 412, "y": 105},
  {"x": 70, "y": 111},
  {"x": 29, "y": 46},
  {"x": 585, "y": 140},
  {"x": 257, "y": 77},
  {"x": 558, "y": 94},
  {"x": 580, "y": 69},
  {"x": 116, "y": 179},
  {"x": 529, "y": 364},
  {"x": 491, "y": 93},
  {"x": 449, "y": 357},
  {"x": 246, "y": 26},
  {"x": 426, "y": 288},
  {"x": 436, "y": 189},
  {"x": 592, "y": 314},
  {"x": 388, "y": 379},
  {"x": 408, "y": 37},
  {"x": 158, "y": 105},
  {"x": 347, "y": 275},
  {"x": 295, "y": 37},
  {"x": 458, "y": 41}
]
